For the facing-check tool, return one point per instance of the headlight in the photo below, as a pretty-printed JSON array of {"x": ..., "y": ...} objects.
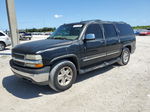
[
  {"x": 34, "y": 61},
  {"x": 33, "y": 57}
]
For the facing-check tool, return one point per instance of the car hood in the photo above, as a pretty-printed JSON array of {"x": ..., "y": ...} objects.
[{"x": 35, "y": 46}]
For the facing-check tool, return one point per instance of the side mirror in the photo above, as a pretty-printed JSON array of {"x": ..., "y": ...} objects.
[{"x": 90, "y": 37}]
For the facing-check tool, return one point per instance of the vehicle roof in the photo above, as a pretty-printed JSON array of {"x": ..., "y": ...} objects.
[{"x": 99, "y": 21}]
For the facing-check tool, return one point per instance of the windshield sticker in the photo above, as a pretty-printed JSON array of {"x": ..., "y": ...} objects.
[{"x": 74, "y": 26}]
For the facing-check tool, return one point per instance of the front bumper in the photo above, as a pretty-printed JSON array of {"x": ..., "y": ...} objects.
[
  {"x": 38, "y": 76},
  {"x": 8, "y": 43}
]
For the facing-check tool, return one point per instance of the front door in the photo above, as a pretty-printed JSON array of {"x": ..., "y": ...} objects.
[{"x": 94, "y": 50}]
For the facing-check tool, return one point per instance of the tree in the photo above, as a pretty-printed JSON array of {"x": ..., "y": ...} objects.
[{"x": 45, "y": 29}]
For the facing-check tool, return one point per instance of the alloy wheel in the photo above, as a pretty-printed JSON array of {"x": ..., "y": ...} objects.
[{"x": 65, "y": 76}]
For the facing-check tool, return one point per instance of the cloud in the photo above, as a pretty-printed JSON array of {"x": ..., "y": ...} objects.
[{"x": 58, "y": 16}]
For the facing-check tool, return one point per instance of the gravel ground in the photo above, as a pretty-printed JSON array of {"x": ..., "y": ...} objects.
[{"x": 111, "y": 89}]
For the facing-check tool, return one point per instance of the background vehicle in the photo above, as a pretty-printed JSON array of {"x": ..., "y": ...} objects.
[
  {"x": 137, "y": 31},
  {"x": 4, "y": 40},
  {"x": 25, "y": 36},
  {"x": 73, "y": 49},
  {"x": 144, "y": 32}
]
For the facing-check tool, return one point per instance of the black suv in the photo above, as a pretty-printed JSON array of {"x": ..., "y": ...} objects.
[{"x": 73, "y": 49}]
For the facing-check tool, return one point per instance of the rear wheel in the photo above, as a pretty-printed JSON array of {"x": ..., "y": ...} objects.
[
  {"x": 2, "y": 46},
  {"x": 125, "y": 57},
  {"x": 62, "y": 75}
]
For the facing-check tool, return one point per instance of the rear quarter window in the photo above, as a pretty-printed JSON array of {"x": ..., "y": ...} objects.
[{"x": 124, "y": 29}]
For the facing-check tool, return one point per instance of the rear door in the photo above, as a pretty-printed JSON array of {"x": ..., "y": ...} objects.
[
  {"x": 113, "y": 46},
  {"x": 94, "y": 50}
]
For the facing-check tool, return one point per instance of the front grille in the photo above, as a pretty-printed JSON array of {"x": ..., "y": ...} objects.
[
  {"x": 18, "y": 56},
  {"x": 19, "y": 63}
]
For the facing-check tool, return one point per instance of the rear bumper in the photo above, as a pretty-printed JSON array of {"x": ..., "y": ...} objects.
[{"x": 38, "y": 76}]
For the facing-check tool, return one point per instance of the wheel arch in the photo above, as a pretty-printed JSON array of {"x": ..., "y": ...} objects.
[
  {"x": 128, "y": 46},
  {"x": 3, "y": 43},
  {"x": 70, "y": 57}
]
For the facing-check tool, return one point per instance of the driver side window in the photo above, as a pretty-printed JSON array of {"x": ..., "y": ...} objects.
[{"x": 95, "y": 29}]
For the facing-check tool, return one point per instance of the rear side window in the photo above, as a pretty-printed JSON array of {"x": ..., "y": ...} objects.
[
  {"x": 1, "y": 34},
  {"x": 95, "y": 29},
  {"x": 109, "y": 30},
  {"x": 124, "y": 29}
]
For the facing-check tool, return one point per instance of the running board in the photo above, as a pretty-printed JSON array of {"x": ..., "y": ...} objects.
[{"x": 82, "y": 71}]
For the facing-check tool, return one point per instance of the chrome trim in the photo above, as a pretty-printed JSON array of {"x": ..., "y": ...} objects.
[
  {"x": 43, "y": 77},
  {"x": 100, "y": 55},
  {"x": 113, "y": 52},
  {"x": 95, "y": 56},
  {"x": 27, "y": 61},
  {"x": 19, "y": 54}
]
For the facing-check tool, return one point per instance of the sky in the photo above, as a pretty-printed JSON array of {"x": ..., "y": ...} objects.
[{"x": 52, "y": 13}]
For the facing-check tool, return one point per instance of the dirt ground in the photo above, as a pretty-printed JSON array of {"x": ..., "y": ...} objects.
[{"x": 111, "y": 89}]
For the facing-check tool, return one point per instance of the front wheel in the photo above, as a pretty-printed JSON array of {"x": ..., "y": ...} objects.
[
  {"x": 125, "y": 57},
  {"x": 2, "y": 46},
  {"x": 62, "y": 75}
]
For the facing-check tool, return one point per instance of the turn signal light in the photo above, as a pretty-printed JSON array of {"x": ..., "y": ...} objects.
[{"x": 39, "y": 65}]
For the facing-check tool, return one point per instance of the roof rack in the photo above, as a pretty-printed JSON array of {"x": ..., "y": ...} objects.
[{"x": 95, "y": 20}]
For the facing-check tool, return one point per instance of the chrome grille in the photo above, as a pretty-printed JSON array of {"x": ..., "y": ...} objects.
[{"x": 18, "y": 56}]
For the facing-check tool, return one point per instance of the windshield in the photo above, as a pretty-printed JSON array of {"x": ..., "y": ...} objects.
[{"x": 69, "y": 32}]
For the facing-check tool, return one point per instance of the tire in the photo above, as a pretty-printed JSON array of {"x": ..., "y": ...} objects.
[
  {"x": 125, "y": 57},
  {"x": 27, "y": 39},
  {"x": 2, "y": 46},
  {"x": 62, "y": 75}
]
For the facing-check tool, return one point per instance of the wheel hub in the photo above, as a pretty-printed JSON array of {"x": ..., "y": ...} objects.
[
  {"x": 65, "y": 76},
  {"x": 126, "y": 57},
  {"x": 1, "y": 47}
]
